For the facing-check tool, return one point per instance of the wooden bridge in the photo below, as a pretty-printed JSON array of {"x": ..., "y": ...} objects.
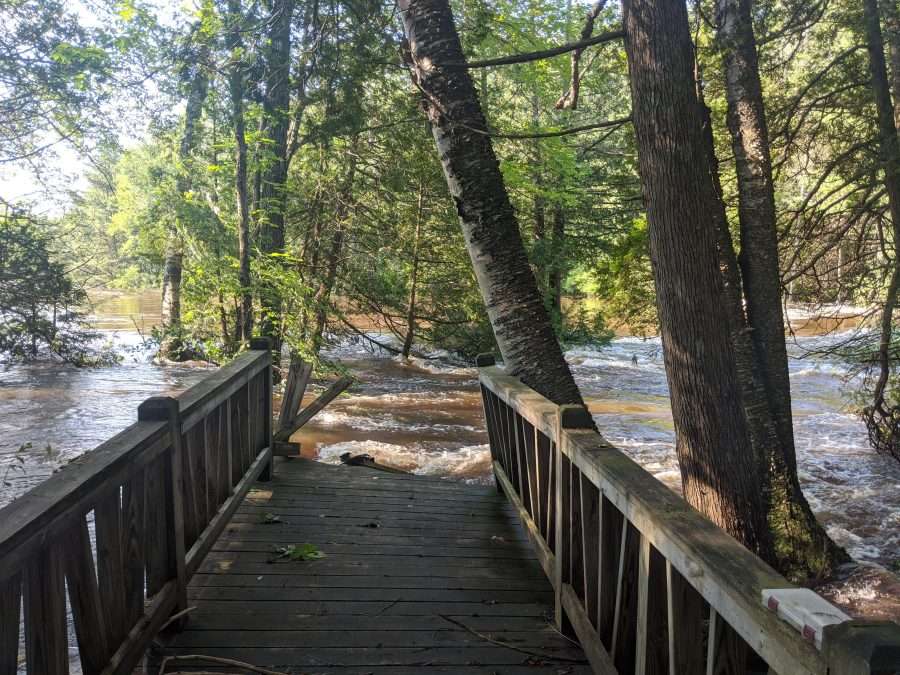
[{"x": 172, "y": 547}]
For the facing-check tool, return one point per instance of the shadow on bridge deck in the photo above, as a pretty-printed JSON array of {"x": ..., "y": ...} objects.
[{"x": 420, "y": 575}]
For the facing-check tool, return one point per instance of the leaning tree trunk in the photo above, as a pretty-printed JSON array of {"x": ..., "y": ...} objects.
[
  {"x": 722, "y": 472},
  {"x": 519, "y": 318},
  {"x": 172, "y": 346},
  {"x": 882, "y": 418},
  {"x": 276, "y": 117}
]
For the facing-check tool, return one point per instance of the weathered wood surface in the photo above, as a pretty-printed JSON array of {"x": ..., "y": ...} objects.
[
  {"x": 410, "y": 561},
  {"x": 646, "y": 583}
]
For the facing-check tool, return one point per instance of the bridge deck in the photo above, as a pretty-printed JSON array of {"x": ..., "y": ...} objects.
[{"x": 420, "y": 575}]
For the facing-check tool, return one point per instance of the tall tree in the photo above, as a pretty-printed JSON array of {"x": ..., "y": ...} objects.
[
  {"x": 196, "y": 76},
  {"x": 758, "y": 258},
  {"x": 731, "y": 461},
  {"x": 883, "y": 418},
  {"x": 274, "y": 162},
  {"x": 236, "y": 87},
  {"x": 514, "y": 304}
]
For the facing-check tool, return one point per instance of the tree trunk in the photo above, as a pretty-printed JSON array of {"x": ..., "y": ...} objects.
[
  {"x": 414, "y": 277},
  {"x": 756, "y": 209},
  {"x": 885, "y": 434},
  {"x": 276, "y": 116},
  {"x": 801, "y": 549},
  {"x": 333, "y": 257},
  {"x": 519, "y": 318},
  {"x": 557, "y": 262},
  {"x": 721, "y": 471},
  {"x": 174, "y": 256},
  {"x": 236, "y": 89},
  {"x": 892, "y": 28}
]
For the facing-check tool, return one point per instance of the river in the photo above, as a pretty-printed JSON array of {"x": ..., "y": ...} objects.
[{"x": 426, "y": 417}]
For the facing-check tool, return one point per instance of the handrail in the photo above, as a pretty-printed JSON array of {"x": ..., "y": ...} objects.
[
  {"x": 645, "y": 582},
  {"x": 121, "y": 529}
]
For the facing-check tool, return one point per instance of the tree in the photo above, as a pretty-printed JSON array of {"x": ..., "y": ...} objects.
[
  {"x": 514, "y": 304},
  {"x": 236, "y": 77},
  {"x": 732, "y": 464},
  {"x": 38, "y": 300},
  {"x": 194, "y": 65},
  {"x": 881, "y": 415},
  {"x": 274, "y": 162}
]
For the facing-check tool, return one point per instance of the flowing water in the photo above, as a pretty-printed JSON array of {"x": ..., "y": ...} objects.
[{"x": 425, "y": 416}]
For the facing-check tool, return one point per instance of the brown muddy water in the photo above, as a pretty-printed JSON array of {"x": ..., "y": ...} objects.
[{"x": 425, "y": 416}]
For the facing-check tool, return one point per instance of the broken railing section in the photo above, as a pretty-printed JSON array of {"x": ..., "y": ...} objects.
[
  {"x": 646, "y": 583},
  {"x": 155, "y": 497},
  {"x": 291, "y": 418}
]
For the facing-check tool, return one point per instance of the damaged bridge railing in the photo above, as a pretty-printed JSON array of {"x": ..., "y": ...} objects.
[
  {"x": 645, "y": 583},
  {"x": 115, "y": 535}
]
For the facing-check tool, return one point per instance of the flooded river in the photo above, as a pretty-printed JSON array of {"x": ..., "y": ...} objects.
[{"x": 426, "y": 417}]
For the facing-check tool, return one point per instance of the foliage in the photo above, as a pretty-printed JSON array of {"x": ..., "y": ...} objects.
[{"x": 38, "y": 300}]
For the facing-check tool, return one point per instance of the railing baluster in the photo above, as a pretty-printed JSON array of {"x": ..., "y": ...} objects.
[
  {"x": 84, "y": 597},
  {"x": 46, "y": 637},
  {"x": 133, "y": 511},
  {"x": 10, "y": 606},
  {"x": 686, "y": 612},
  {"x": 110, "y": 563}
]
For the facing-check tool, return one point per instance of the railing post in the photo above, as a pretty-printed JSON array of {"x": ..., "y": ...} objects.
[
  {"x": 862, "y": 648},
  {"x": 265, "y": 344},
  {"x": 487, "y": 360},
  {"x": 568, "y": 417},
  {"x": 166, "y": 409}
]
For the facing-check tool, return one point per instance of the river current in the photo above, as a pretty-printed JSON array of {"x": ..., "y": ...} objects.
[{"x": 425, "y": 416}]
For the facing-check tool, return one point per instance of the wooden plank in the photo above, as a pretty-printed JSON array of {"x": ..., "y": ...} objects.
[
  {"x": 46, "y": 639},
  {"x": 598, "y": 656},
  {"x": 84, "y": 598},
  {"x": 10, "y": 608},
  {"x": 545, "y": 557},
  {"x": 294, "y": 388},
  {"x": 687, "y": 612},
  {"x": 204, "y": 542},
  {"x": 111, "y": 565},
  {"x": 365, "y": 657},
  {"x": 135, "y": 643},
  {"x": 133, "y": 546},
  {"x": 643, "y": 602},
  {"x": 156, "y": 540},
  {"x": 211, "y": 461},
  {"x": 316, "y": 406},
  {"x": 266, "y": 432},
  {"x": 195, "y": 453},
  {"x": 372, "y": 609},
  {"x": 590, "y": 546}
]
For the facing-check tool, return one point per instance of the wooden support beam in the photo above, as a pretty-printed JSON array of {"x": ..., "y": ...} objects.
[{"x": 313, "y": 408}]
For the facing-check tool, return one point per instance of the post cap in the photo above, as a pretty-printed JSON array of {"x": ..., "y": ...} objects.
[
  {"x": 157, "y": 409},
  {"x": 261, "y": 343},
  {"x": 484, "y": 360},
  {"x": 575, "y": 417}
]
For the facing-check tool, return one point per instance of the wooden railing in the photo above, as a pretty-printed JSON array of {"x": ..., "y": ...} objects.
[
  {"x": 645, "y": 583},
  {"x": 120, "y": 530}
]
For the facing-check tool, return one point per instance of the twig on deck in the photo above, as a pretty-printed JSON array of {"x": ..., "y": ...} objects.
[
  {"x": 217, "y": 660},
  {"x": 500, "y": 643}
]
